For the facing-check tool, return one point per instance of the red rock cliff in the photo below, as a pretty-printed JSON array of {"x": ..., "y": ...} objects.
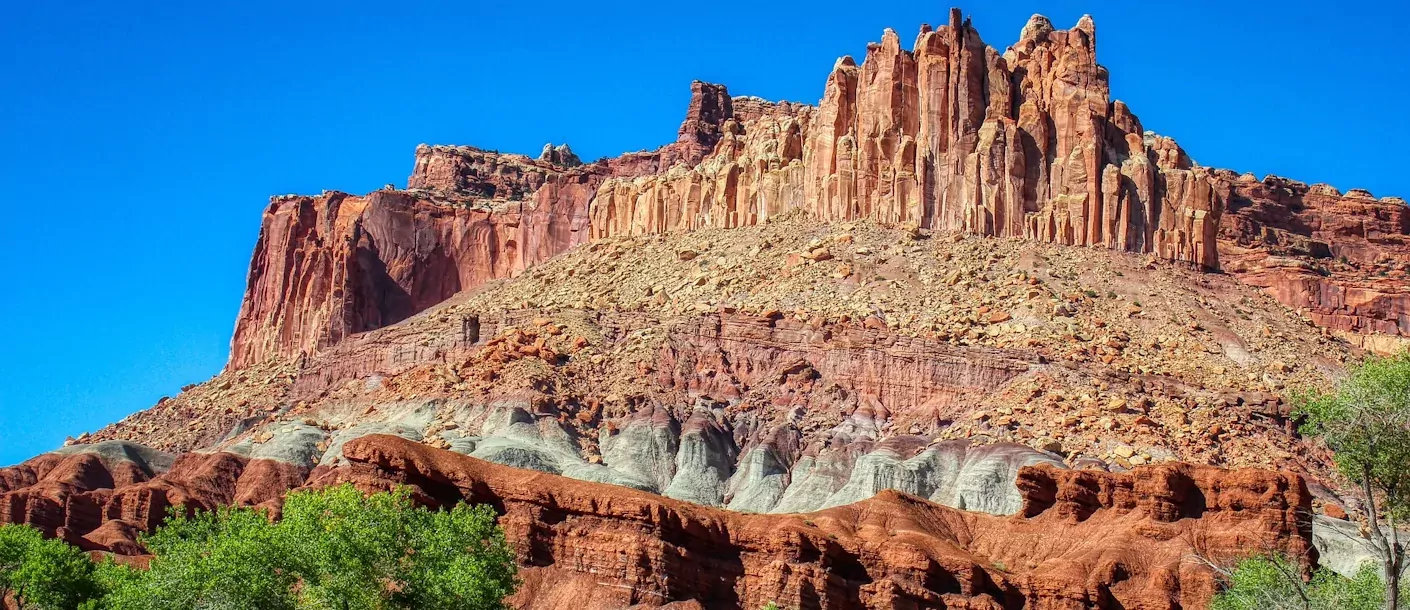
[
  {"x": 1088, "y": 539},
  {"x": 1340, "y": 259},
  {"x": 951, "y": 135},
  {"x": 335, "y": 264}
]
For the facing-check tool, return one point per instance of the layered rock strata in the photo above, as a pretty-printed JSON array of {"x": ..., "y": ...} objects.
[
  {"x": 585, "y": 543},
  {"x": 99, "y": 497},
  {"x": 952, "y": 135},
  {"x": 1342, "y": 259},
  {"x": 857, "y": 386},
  {"x": 607, "y": 546}
]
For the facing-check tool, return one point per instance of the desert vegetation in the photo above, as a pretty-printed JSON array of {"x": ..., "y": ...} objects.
[{"x": 333, "y": 549}]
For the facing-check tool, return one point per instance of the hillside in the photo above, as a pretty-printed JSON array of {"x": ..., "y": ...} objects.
[{"x": 964, "y": 332}]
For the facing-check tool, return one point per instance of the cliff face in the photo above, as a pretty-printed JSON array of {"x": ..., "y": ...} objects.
[
  {"x": 582, "y": 541},
  {"x": 949, "y": 136},
  {"x": 1341, "y": 259},
  {"x": 336, "y": 264}
]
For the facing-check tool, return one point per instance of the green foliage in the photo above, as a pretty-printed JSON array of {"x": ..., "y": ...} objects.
[
  {"x": 1274, "y": 583},
  {"x": 230, "y": 559},
  {"x": 43, "y": 574},
  {"x": 378, "y": 552},
  {"x": 1366, "y": 423},
  {"x": 334, "y": 549},
  {"x": 113, "y": 579},
  {"x": 446, "y": 575}
]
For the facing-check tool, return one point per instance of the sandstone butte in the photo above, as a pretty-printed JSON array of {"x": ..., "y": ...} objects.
[{"x": 962, "y": 335}]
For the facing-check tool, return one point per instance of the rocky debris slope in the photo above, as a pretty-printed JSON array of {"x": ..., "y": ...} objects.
[{"x": 796, "y": 365}]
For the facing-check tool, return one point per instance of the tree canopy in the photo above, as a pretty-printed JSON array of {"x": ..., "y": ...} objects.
[
  {"x": 1274, "y": 583},
  {"x": 1365, "y": 421},
  {"x": 333, "y": 549},
  {"x": 43, "y": 574}
]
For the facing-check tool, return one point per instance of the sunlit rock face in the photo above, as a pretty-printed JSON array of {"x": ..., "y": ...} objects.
[
  {"x": 788, "y": 350},
  {"x": 951, "y": 135}
]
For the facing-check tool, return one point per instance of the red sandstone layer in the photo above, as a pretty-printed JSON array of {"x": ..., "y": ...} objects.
[{"x": 1086, "y": 539}]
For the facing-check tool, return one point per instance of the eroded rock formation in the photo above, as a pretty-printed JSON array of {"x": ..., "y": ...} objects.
[
  {"x": 333, "y": 265},
  {"x": 608, "y": 546},
  {"x": 100, "y": 496},
  {"x": 798, "y": 309},
  {"x": 951, "y": 135},
  {"x": 1340, "y": 258},
  {"x": 589, "y": 544}
]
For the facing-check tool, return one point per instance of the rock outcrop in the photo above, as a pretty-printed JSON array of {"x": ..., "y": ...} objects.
[
  {"x": 100, "y": 496},
  {"x": 1340, "y": 259},
  {"x": 608, "y": 546},
  {"x": 333, "y": 265},
  {"x": 586, "y": 544},
  {"x": 953, "y": 136},
  {"x": 950, "y": 136}
]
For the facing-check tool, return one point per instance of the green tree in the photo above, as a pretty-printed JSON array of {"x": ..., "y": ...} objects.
[
  {"x": 113, "y": 579},
  {"x": 1274, "y": 583},
  {"x": 333, "y": 549},
  {"x": 228, "y": 559},
  {"x": 379, "y": 551},
  {"x": 1365, "y": 421},
  {"x": 43, "y": 574},
  {"x": 459, "y": 560}
]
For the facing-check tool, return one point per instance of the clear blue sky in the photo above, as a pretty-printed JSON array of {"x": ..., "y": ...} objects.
[{"x": 141, "y": 141}]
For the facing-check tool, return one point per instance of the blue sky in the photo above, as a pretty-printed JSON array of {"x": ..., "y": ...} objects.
[{"x": 141, "y": 140}]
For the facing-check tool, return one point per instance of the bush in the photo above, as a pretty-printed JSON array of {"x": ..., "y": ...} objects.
[
  {"x": 230, "y": 558},
  {"x": 1274, "y": 583},
  {"x": 334, "y": 549},
  {"x": 43, "y": 574},
  {"x": 355, "y": 551}
]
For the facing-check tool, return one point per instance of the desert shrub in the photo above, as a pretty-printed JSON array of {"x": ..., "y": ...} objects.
[
  {"x": 1274, "y": 583},
  {"x": 333, "y": 549},
  {"x": 43, "y": 574}
]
